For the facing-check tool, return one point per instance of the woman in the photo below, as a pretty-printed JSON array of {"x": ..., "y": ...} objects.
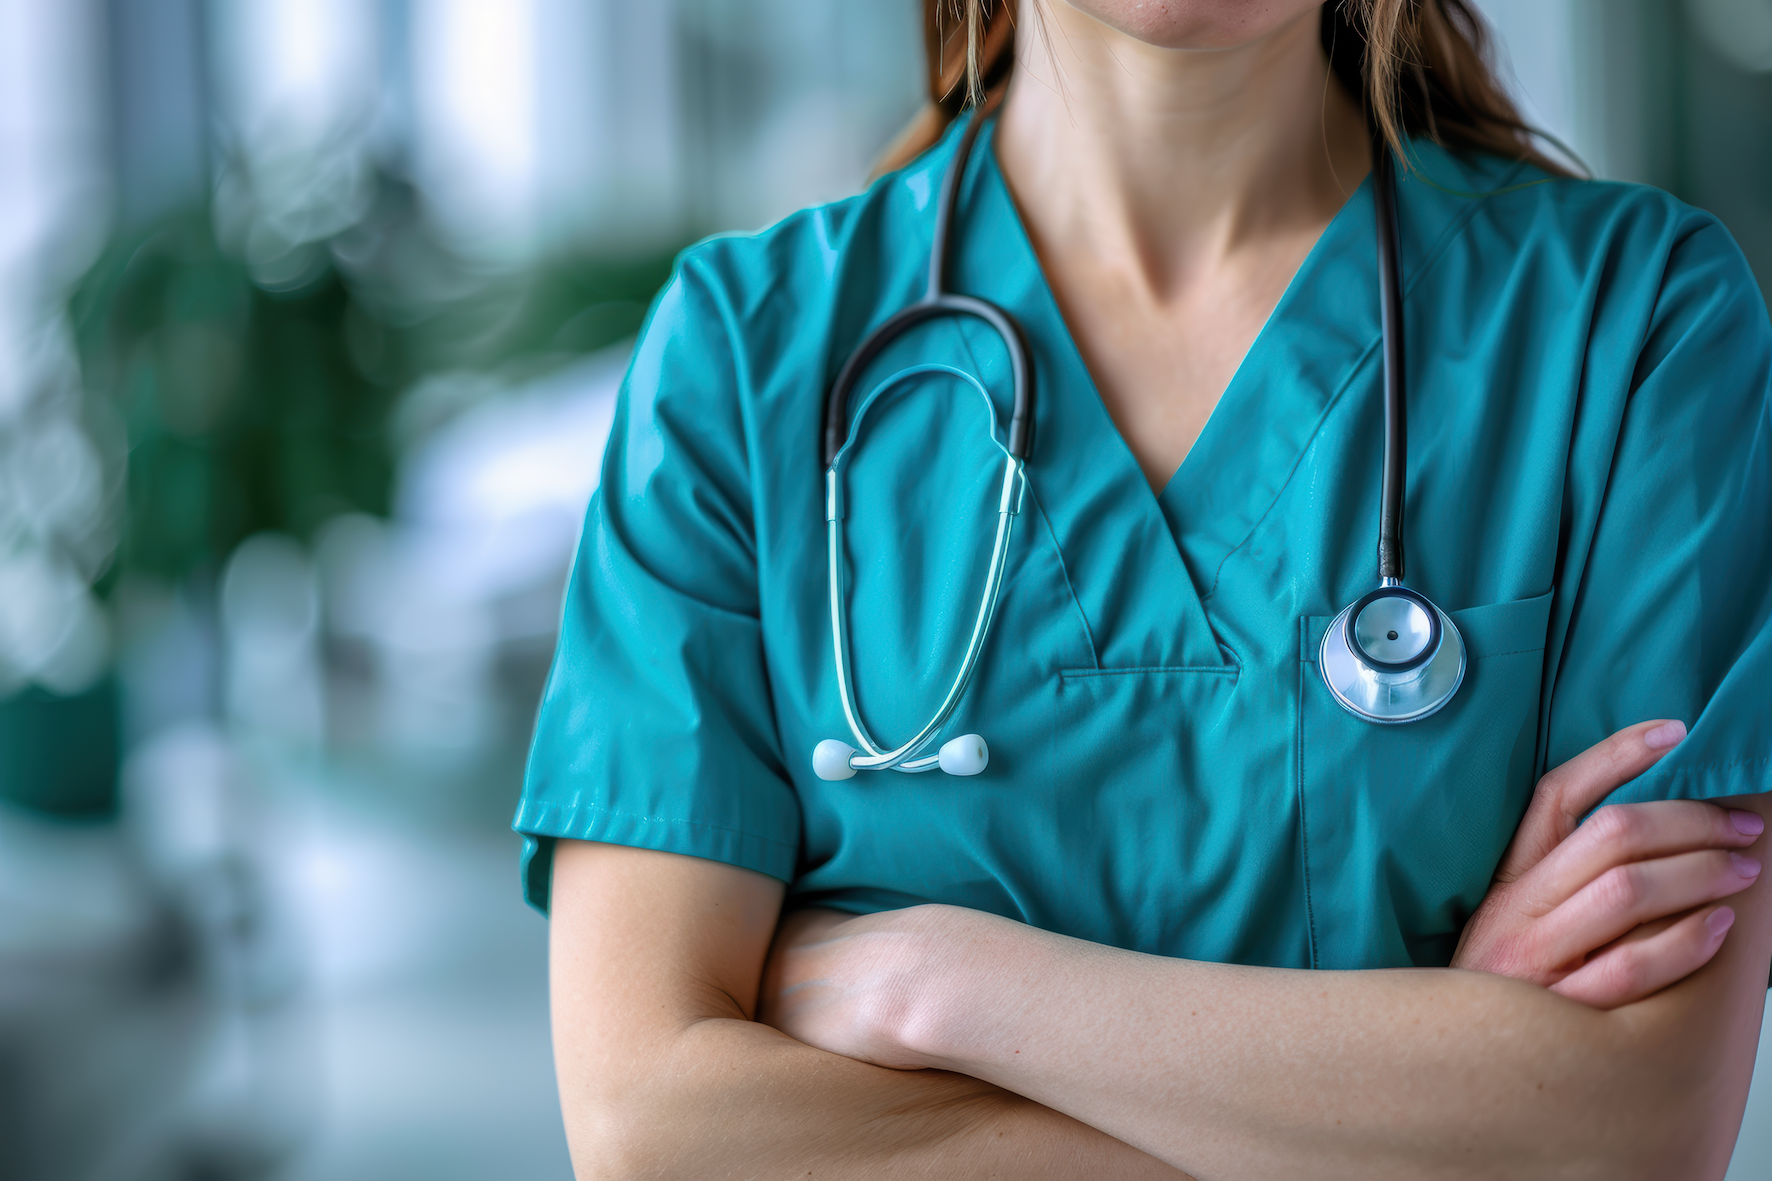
[{"x": 1139, "y": 942}]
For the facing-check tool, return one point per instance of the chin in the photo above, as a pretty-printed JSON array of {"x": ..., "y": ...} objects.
[{"x": 1193, "y": 24}]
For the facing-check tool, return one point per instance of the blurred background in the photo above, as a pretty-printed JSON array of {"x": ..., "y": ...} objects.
[{"x": 311, "y": 318}]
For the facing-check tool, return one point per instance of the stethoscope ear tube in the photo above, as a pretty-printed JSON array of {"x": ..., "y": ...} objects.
[
  {"x": 967, "y": 754},
  {"x": 869, "y": 754},
  {"x": 1021, "y": 376},
  {"x": 936, "y": 303}
]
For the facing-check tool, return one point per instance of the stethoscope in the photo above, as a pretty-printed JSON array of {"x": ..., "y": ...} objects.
[{"x": 1391, "y": 656}]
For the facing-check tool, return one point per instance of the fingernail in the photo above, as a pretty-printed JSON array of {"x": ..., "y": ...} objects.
[
  {"x": 1747, "y": 867},
  {"x": 1720, "y": 920},
  {"x": 1748, "y": 824},
  {"x": 1664, "y": 735}
]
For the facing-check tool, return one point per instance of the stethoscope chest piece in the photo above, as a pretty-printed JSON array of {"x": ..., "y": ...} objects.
[{"x": 1392, "y": 656}]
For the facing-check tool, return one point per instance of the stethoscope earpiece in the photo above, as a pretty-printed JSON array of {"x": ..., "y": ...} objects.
[
  {"x": 830, "y": 760},
  {"x": 966, "y": 755}
]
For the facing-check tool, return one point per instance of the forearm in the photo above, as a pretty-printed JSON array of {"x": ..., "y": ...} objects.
[
  {"x": 1248, "y": 1072},
  {"x": 726, "y": 1097},
  {"x": 1228, "y": 1071},
  {"x": 655, "y": 962}
]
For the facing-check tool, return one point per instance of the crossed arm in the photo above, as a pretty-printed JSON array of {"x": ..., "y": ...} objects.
[
  {"x": 656, "y": 960},
  {"x": 1058, "y": 1058}
]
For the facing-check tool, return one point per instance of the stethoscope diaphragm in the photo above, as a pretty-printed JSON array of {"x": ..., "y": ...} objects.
[{"x": 1392, "y": 656}]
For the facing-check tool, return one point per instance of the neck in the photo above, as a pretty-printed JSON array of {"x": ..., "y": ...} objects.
[{"x": 1174, "y": 160}]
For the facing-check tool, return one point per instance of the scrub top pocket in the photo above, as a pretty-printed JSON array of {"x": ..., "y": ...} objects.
[{"x": 1403, "y": 825}]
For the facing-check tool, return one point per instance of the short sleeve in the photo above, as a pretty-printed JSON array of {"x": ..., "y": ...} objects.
[
  {"x": 1672, "y": 617},
  {"x": 656, "y": 727}
]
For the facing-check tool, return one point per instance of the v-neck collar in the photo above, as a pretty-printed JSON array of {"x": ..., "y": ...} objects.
[
  {"x": 1323, "y": 327},
  {"x": 1143, "y": 566}
]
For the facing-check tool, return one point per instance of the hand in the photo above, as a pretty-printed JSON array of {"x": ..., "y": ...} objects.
[
  {"x": 845, "y": 984},
  {"x": 1620, "y": 907},
  {"x": 1604, "y": 913}
]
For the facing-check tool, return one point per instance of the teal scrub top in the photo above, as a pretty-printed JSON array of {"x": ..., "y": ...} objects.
[{"x": 1589, "y": 497}]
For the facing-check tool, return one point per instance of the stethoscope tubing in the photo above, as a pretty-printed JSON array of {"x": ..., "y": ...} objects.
[
  {"x": 1402, "y": 701},
  {"x": 937, "y": 302},
  {"x": 1390, "y": 310},
  {"x": 903, "y": 757},
  {"x": 1363, "y": 685},
  {"x": 932, "y": 307}
]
